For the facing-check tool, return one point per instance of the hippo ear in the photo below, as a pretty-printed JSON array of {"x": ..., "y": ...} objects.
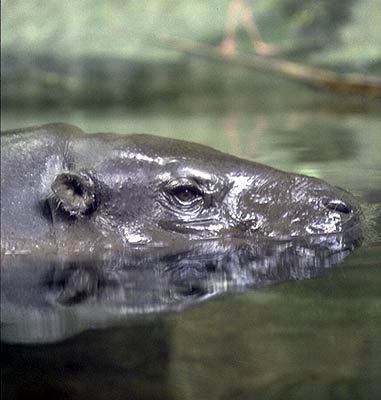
[{"x": 75, "y": 193}]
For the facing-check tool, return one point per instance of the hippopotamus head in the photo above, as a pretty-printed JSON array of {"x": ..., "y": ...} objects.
[{"x": 140, "y": 189}]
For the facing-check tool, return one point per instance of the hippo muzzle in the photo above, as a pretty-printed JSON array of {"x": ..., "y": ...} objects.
[{"x": 287, "y": 205}]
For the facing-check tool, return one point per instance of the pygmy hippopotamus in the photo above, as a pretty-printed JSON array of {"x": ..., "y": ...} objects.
[{"x": 63, "y": 189}]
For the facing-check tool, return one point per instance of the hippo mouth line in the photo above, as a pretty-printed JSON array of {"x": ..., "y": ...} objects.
[{"x": 195, "y": 226}]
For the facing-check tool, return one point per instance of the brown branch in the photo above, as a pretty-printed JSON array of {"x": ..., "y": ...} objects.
[{"x": 345, "y": 83}]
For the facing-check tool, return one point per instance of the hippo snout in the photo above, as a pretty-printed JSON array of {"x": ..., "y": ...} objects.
[
  {"x": 287, "y": 205},
  {"x": 336, "y": 211}
]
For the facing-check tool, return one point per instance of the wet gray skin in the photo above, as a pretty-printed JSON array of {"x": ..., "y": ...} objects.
[{"x": 65, "y": 190}]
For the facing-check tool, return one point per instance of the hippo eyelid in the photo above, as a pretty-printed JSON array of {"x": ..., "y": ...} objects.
[{"x": 188, "y": 183}]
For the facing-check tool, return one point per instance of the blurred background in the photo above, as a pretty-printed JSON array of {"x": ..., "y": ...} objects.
[
  {"x": 121, "y": 66},
  {"x": 95, "y": 53}
]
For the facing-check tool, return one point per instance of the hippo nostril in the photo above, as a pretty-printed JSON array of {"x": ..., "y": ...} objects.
[{"x": 337, "y": 205}]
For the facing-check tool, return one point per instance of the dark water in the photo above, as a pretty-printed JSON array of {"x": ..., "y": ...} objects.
[{"x": 272, "y": 320}]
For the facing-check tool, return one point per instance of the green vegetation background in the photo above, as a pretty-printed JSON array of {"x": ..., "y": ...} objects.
[{"x": 93, "y": 52}]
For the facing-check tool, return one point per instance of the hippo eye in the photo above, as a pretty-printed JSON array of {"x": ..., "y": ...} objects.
[{"x": 186, "y": 194}]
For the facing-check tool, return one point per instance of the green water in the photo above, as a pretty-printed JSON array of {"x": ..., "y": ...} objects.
[{"x": 318, "y": 338}]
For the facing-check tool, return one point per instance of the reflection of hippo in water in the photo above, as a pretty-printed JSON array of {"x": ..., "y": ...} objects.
[
  {"x": 99, "y": 289},
  {"x": 64, "y": 189}
]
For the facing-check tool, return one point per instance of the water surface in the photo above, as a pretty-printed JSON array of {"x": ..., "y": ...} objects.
[{"x": 312, "y": 335}]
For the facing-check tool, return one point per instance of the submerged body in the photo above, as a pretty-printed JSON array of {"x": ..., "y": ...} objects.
[{"x": 65, "y": 190}]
